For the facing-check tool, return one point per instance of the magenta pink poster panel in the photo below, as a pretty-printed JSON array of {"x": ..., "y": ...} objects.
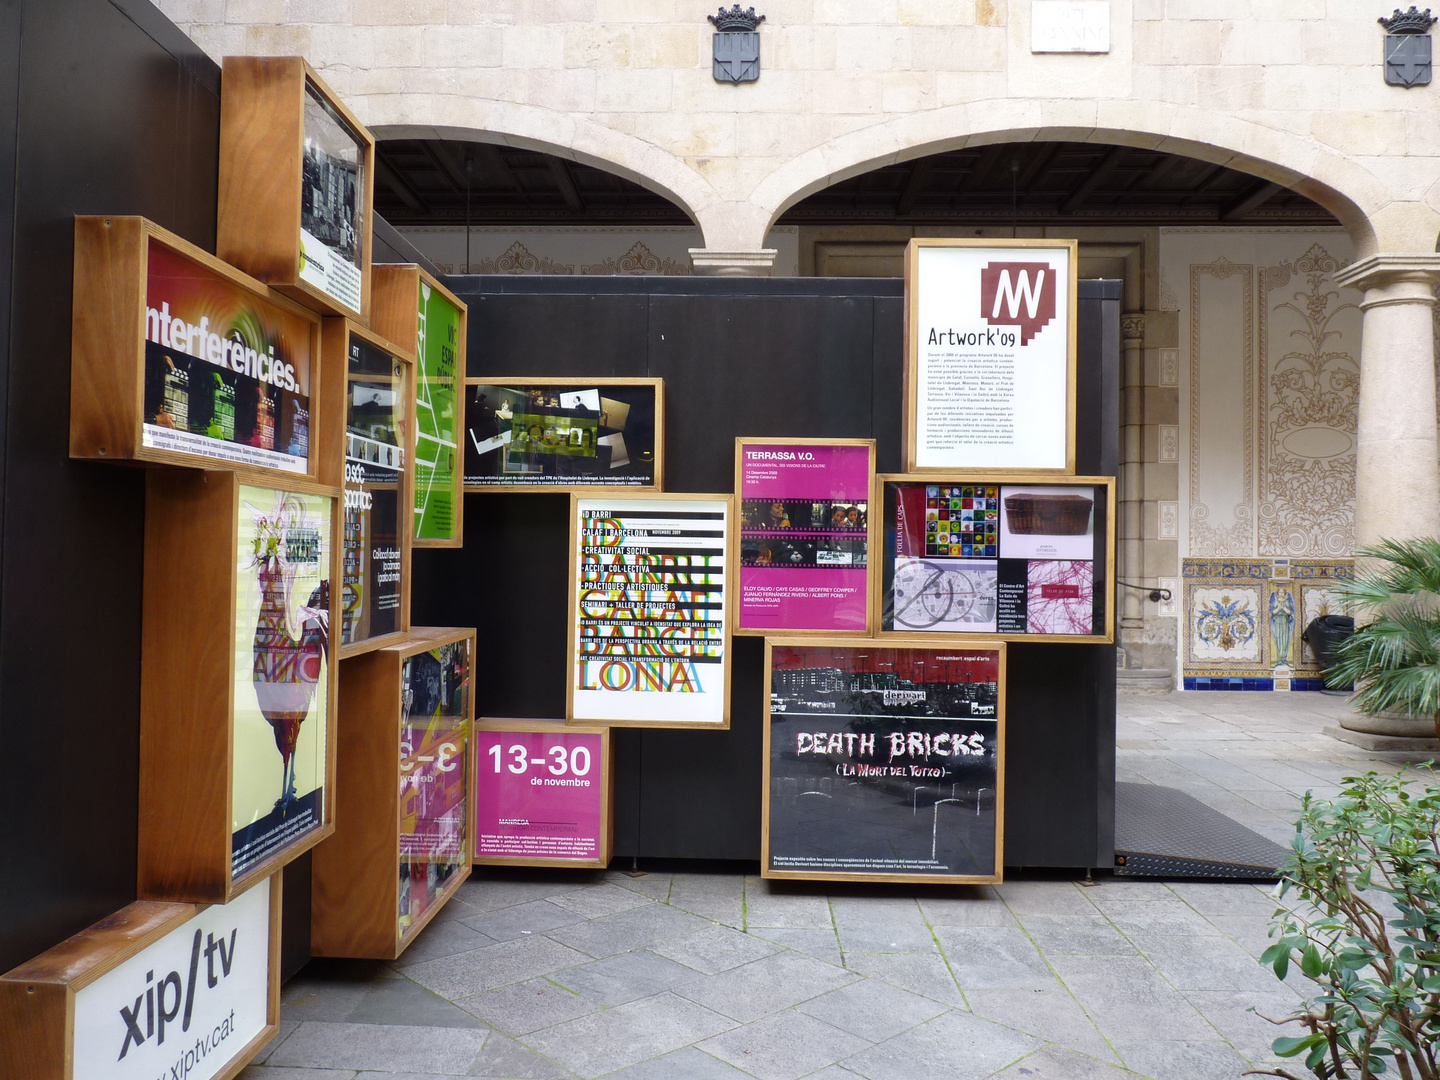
[
  {"x": 538, "y": 795},
  {"x": 803, "y": 539}
]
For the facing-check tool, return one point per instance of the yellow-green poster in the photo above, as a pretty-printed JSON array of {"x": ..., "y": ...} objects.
[
  {"x": 282, "y": 671},
  {"x": 437, "y": 417}
]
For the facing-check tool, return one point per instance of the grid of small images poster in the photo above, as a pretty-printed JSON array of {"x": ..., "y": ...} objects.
[{"x": 992, "y": 558}]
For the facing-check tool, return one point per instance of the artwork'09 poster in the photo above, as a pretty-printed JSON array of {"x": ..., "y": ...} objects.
[
  {"x": 804, "y": 534},
  {"x": 995, "y": 558},
  {"x": 989, "y": 370},
  {"x": 649, "y": 610},
  {"x": 227, "y": 375},
  {"x": 540, "y": 795},
  {"x": 437, "y": 418},
  {"x": 373, "y": 562},
  {"x": 434, "y": 730},
  {"x": 282, "y": 672},
  {"x": 332, "y": 204},
  {"x": 884, "y": 764},
  {"x": 529, "y": 435}
]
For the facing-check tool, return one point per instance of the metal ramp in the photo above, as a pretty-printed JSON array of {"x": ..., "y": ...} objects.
[{"x": 1164, "y": 833}]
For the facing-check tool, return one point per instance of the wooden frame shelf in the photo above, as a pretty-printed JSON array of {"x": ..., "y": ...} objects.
[
  {"x": 61, "y": 1011},
  {"x": 408, "y": 307},
  {"x": 236, "y": 664},
  {"x": 154, "y": 381},
  {"x": 392, "y": 788},
  {"x": 264, "y": 143},
  {"x": 573, "y": 801},
  {"x": 364, "y": 463}
]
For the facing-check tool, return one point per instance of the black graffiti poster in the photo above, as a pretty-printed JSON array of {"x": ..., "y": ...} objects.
[{"x": 884, "y": 763}]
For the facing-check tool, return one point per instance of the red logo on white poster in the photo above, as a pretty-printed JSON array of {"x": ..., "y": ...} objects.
[{"x": 1018, "y": 294}]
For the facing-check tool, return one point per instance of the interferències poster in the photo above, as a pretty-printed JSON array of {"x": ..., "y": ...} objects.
[
  {"x": 282, "y": 672},
  {"x": 884, "y": 763},
  {"x": 374, "y": 472},
  {"x": 804, "y": 534},
  {"x": 227, "y": 375},
  {"x": 540, "y": 796},
  {"x": 649, "y": 609}
]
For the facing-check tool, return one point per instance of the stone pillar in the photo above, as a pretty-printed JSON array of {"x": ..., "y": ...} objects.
[
  {"x": 1397, "y": 472},
  {"x": 1130, "y": 498},
  {"x": 711, "y": 262}
]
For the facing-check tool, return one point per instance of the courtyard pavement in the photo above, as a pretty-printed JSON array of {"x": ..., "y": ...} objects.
[{"x": 545, "y": 975}]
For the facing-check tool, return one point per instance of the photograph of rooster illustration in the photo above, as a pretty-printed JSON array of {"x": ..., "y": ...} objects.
[{"x": 291, "y": 644}]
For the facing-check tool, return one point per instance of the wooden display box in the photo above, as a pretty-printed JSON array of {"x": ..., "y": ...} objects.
[
  {"x": 411, "y": 308},
  {"x": 1042, "y": 579},
  {"x": 210, "y": 397},
  {"x": 525, "y": 768},
  {"x": 396, "y": 791},
  {"x": 281, "y": 170},
  {"x": 235, "y": 662},
  {"x": 64, "y": 1013},
  {"x": 354, "y": 461}
]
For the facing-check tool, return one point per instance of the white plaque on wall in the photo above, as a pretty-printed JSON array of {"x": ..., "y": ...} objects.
[
  {"x": 990, "y": 355},
  {"x": 1070, "y": 26}
]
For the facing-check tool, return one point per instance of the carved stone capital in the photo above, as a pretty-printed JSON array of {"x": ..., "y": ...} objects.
[
  {"x": 1132, "y": 326},
  {"x": 1377, "y": 271},
  {"x": 733, "y": 263}
]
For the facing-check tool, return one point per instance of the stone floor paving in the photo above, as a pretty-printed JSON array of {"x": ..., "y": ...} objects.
[{"x": 544, "y": 975}]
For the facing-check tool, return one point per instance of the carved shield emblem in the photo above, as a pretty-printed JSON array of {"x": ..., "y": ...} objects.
[
  {"x": 1407, "y": 59},
  {"x": 737, "y": 56}
]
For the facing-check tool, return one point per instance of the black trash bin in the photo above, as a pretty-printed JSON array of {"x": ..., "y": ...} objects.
[{"x": 1325, "y": 635}]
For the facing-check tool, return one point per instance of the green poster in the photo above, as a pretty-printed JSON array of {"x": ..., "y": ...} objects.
[{"x": 436, "y": 418}]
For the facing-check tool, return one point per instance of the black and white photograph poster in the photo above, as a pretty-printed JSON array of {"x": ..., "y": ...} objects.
[
  {"x": 883, "y": 764},
  {"x": 990, "y": 355}
]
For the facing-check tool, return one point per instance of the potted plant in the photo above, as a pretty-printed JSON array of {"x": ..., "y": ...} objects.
[{"x": 1394, "y": 659}]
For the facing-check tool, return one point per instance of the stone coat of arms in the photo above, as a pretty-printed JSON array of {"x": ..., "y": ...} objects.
[{"x": 737, "y": 45}]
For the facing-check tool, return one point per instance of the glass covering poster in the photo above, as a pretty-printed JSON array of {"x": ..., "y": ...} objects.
[
  {"x": 332, "y": 204},
  {"x": 987, "y": 558},
  {"x": 991, "y": 335},
  {"x": 434, "y": 727},
  {"x": 282, "y": 672},
  {"x": 227, "y": 375},
  {"x": 436, "y": 417},
  {"x": 539, "y": 795},
  {"x": 520, "y": 435},
  {"x": 804, "y": 534},
  {"x": 883, "y": 763},
  {"x": 649, "y": 605},
  {"x": 374, "y": 471}
]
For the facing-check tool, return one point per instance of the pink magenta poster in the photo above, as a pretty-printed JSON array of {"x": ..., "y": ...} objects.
[
  {"x": 804, "y": 535},
  {"x": 539, "y": 795}
]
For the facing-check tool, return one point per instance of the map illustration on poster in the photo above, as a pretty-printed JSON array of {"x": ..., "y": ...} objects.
[
  {"x": 990, "y": 354},
  {"x": 282, "y": 672},
  {"x": 540, "y": 795},
  {"x": 216, "y": 963},
  {"x": 883, "y": 764},
  {"x": 1018, "y": 560},
  {"x": 434, "y": 729},
  {"x": 227, "y": 375},
  {"x": 332, "y": 204},
  {"x": 437, "y": 417},
  {"x": 804, "y": 534},
  {"x": 373, "y": 558},
  {"x": 529, "y": 435},
  {"x": 649, "y": 605}
]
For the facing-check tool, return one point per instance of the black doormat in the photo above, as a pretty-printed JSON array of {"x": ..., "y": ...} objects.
[{"x": 1164, "y": 833}]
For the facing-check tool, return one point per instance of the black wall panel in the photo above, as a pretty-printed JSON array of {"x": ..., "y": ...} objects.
[
  {"x": 109, "y": 110},
  {"x": 800, "y": 357}
]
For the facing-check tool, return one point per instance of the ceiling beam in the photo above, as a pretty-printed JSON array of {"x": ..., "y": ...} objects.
[
  {"x": 566, "y": 183},
  {"x": 1098, "y": 175},
  {"x": 388, "y": 176},
  {"x": 914, "y": 185},
  {"x": 1248, "y": 199},
  {"x": 982, "y": 168},
  {"x": 1035, "y": 169}
]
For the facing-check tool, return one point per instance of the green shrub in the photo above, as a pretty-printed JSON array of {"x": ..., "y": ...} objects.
[{"x": 1367, "y": 864}]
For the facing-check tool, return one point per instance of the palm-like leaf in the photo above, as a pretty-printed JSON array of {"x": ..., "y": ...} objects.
[{"x": 1394, "y": 660}]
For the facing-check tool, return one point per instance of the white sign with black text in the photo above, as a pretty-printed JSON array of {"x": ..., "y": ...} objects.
[
  {"x": 991, "y": 338},
  {"x": 185, "y": 1006}
]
